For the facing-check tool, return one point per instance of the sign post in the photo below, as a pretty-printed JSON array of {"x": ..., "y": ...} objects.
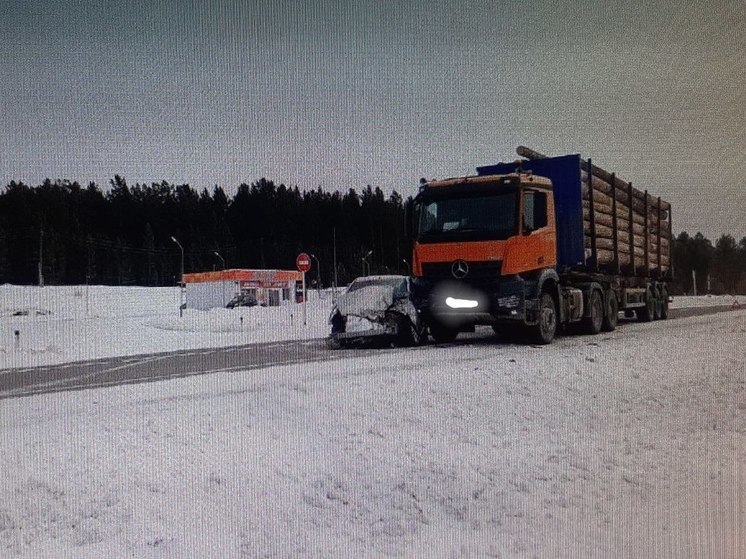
[{"x": 303, "y": 263}]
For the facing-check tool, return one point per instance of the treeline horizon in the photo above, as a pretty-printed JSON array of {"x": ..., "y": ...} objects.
[{"x": 123, "y": 235}]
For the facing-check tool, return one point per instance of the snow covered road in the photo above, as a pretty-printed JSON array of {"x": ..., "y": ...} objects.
[{"x": 630, "y": 444}]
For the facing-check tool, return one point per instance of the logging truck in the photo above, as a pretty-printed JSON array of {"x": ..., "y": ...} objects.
[{"x": 538, "y": 245}]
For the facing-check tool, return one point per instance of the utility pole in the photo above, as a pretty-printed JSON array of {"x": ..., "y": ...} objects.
[
  {"x": 334, "y": 233},
  {"x": 318, "y": 273},
  {"x": 694, "y": 281},
  {"x": 181, "y": 281},
  {"x": 41, "y": 257}
]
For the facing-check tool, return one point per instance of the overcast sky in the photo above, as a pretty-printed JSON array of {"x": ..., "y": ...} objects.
[{"x": 344, "y": 94}]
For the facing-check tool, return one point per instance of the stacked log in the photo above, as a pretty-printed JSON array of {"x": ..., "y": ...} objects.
[{"x": 653, "y": 229}]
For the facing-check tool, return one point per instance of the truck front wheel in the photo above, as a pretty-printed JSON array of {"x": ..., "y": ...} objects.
[{"x": 546, "y": 328}]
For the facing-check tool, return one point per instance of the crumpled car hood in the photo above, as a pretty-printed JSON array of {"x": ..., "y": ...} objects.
[{"x": 367, "y": 301}]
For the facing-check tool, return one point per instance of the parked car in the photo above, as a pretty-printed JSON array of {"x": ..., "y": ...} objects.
[
  {"x": 376, "y": 308},
  {"x": 242, "y": 300}
]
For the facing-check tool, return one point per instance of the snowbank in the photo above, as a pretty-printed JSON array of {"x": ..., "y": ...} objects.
[{"x": 688, "y": 301}]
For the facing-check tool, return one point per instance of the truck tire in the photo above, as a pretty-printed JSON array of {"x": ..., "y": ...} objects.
[
  {"x": 646, "y": 313},
  {"x": 546, "y": 328},
  {"x": 611, "y": 316},
  {"x": 657, "y": 303},
  {"x": 664, "y": 303},
  {"x": 593, "y": 322},
  {"x": 442, "y": 334}
]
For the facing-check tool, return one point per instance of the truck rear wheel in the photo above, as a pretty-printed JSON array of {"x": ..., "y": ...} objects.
[
  {"x": 546, "y": 328},
  {"x": 611, "y": 316},
  {"x": 646, "y": 313},
  {"x": 442, "y": 334},
  {"x": 593, "y": 322},
  {"x": 656, "y": 304},
  {"x": 664, "y": 303}
]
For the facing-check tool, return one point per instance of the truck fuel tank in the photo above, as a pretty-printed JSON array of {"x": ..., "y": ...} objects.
[{"x": 574, "y": 302}]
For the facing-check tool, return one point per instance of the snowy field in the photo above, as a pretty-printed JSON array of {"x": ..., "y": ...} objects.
[
  {"x": 74, "y": 323},
  {"x": 631, "y": 444}
]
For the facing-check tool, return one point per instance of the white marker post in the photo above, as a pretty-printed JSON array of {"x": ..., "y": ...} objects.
[
  {"x": 305, "y": 296},
  {"x": 303, "y": 263}
]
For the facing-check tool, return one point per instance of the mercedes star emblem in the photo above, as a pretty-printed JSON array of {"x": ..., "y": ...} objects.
[{"x": 459, "y": 269}]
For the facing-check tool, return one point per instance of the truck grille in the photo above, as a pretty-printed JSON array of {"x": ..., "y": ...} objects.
[{"x": 477, "y": 270}]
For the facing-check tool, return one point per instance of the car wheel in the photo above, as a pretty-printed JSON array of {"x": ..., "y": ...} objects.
[
  {"x": 405, "y": 334},
  {"x": 443, "y": 334},
  {"x": 418, "y": 334},
  {"x": 333, "y": 343}
]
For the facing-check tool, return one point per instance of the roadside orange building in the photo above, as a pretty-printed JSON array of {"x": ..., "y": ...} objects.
[{"x": 206, "y": 290}]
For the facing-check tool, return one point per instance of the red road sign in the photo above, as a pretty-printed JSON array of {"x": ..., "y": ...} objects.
[{"x": 303, "y": 262}]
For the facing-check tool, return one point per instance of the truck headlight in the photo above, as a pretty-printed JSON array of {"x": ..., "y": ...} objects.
[{"x": 456, "y": 303}]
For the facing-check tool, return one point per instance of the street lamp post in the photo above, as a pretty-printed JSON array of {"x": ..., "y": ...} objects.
[
  {"x": 181, "y": 282},
  {"x": 222, "y": 260},
  {"x": 318, "y": 272},
  {"x": 409, "y": 268},
  {"x": 366, "y": 263},
  {"x": 223, "y": 280},
  {"x": 334, "y": 242}
]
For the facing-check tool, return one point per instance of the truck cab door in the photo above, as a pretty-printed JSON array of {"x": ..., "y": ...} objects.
[{"x": 536, "y": 245}]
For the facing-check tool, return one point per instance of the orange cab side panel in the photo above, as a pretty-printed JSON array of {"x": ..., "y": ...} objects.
[{"x": 531, "y": 252}]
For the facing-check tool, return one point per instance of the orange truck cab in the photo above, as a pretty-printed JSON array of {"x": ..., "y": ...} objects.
[{"x": 506, "y": 248}]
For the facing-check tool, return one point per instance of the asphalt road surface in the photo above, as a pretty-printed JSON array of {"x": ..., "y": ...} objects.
[{"x": 160, "y": 366}]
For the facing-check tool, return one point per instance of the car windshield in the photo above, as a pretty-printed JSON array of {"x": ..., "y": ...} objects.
[
  {"x": 468, "y": 218},
  {"x": 393, "y": 283}
]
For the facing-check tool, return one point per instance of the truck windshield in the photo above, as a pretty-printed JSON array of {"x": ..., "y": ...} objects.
[{"x": 469, "y": 218}]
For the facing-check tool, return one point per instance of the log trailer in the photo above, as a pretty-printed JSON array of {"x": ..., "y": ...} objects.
[{"x": 538, "y": 244}]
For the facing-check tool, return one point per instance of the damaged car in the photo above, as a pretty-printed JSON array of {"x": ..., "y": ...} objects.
[{"x": 376, "y": 309}]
